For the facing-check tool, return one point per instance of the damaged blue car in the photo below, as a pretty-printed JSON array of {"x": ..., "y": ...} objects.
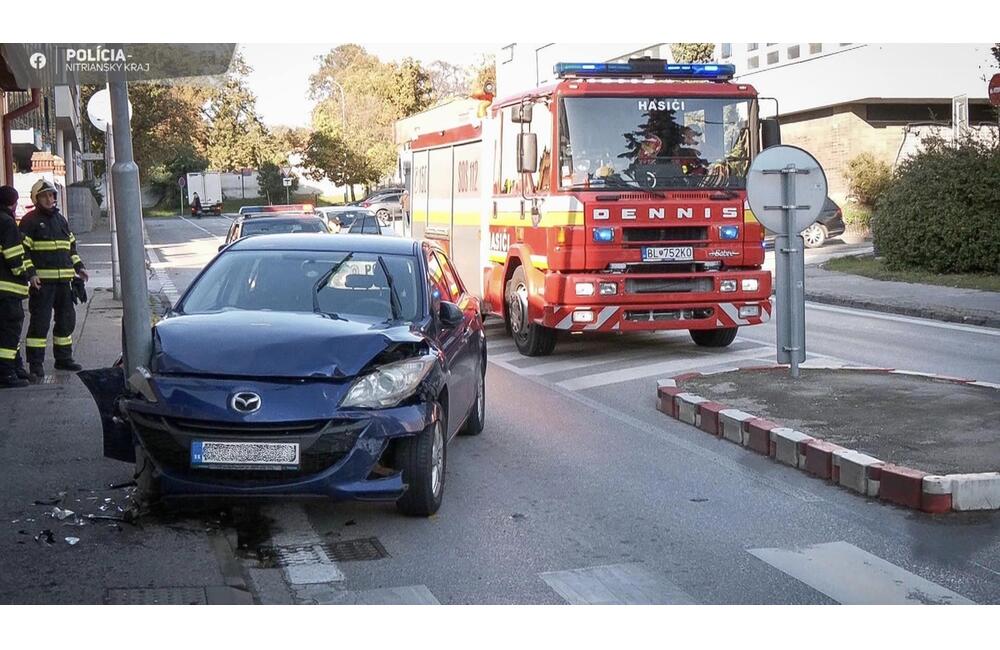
[{"x": 299, "y": 365}]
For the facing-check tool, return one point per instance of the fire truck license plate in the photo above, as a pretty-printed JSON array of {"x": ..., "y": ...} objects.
[{"x": 667, "y": 253}]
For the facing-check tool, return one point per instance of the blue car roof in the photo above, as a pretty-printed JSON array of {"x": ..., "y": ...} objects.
[{"x": 377, "y": 244}]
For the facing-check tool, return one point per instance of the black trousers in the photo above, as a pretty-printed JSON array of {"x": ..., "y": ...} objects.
[
  {"x": 11, "y": 319},
  {"x": 57, "y": 297}
]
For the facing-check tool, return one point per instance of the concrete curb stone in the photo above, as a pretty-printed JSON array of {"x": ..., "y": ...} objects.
[{"x": 848, "y": 468}]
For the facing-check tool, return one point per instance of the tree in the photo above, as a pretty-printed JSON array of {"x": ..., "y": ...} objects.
[
  {"x": 448, "y": 80},
  {"x": 272, "y": 184},
  {"x": 377, "y": 94},
  {"x": 996, "y": 52},
  {"x": 692, "y": 52},
  {"x": 236, "y": 137}
]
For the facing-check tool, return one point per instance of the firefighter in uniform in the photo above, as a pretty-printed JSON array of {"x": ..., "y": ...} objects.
[
  {"x": 52, "y": 247},
  {"x": 16, "y": 273}
]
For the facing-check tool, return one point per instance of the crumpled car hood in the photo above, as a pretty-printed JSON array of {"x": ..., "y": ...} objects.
[{"x": 272, "y": 344}]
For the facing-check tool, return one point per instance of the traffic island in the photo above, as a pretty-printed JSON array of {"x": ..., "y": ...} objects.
[{"x": 922, "y": 441}]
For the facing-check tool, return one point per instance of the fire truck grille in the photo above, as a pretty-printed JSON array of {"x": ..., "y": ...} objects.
[
  {"x": 651, "y": 315},
  {"x": 656, "y": 235},
  {"x": 669, "y": 285}
]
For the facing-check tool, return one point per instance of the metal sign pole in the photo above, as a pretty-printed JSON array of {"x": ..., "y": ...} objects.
[
  {"x": 109, "y": 161},
  {"x": 795, "y": 265}
]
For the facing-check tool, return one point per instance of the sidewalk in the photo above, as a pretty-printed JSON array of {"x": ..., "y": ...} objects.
[{"x": 967, "y": 306}]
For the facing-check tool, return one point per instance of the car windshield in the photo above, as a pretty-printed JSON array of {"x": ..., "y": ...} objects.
[
  {"x": 274, "y": 226},
  {"x": 653, "y": 142},
  {"x": 286, "y": 281}
]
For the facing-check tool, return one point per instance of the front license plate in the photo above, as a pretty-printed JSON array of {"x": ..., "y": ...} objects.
[
  {"x": 249, "y": 455},
  {"x": 667, "y": 253}
]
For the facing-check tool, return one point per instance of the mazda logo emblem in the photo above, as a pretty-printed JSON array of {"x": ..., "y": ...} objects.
[{"x": 245, "y": 402}]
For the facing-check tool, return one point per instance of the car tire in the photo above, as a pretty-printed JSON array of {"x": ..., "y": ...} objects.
[
  {"x": 815, "y": 235},
  {"x": 147, "y": 483},
  {"x": 531, "y": 339},
  {"x": 719, "y": 338},
  {"x": 422, "y": 459},
  {"x": 476, "y": 421}
]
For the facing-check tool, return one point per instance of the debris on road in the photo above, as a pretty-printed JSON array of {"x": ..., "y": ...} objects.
[
  {"x": 72, "y": 541},
  {"x": 60, "y": 514},
  {"x": 45, "y": 536}
]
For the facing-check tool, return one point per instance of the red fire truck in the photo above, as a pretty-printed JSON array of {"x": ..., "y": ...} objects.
[{"x": 613, "y": 200}]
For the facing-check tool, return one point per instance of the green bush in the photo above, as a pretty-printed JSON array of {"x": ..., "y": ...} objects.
[
  {"x": 857, "y": 215},
  {"x": 941, "y": 212},
  {"x": 867, "y": 178}
]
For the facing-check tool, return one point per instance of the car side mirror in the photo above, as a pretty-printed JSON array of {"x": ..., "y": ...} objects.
[
  {"x": 221, "y": 246},
  {"x": 451, "y": 316},
  {"x": 527, "y": 153}
]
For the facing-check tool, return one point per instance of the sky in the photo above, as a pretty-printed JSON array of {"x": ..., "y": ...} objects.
[{"x": 281, "y": 72}]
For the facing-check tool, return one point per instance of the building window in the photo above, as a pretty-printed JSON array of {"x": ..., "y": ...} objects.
[
  {"x": 753, "y": 62},
  {"x": 727, "y": 50},
  {"x": 815, "y": 48},
  {"x": 752, "y": 46},
  {"x": 772, "y": 57},
  {"x": 793, "y": 52}
]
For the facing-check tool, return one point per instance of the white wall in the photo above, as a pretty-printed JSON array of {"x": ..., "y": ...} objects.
[
  {"x": 522, "y": 66},
  {"x": 856, "y": 72}
]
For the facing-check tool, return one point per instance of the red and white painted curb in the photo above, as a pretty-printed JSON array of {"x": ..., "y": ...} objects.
[{"x": 848, "y": 468}]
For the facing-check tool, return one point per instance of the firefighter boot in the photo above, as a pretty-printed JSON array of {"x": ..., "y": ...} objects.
[
  {"x": 36, "y": 373},
  {"x": 12, "y": 381},
  {"x": 19, "y": 369},
  {"x": 68, "y": 364}
]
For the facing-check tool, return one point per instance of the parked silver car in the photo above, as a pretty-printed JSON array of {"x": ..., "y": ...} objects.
[{"x": 385, "y": 206}]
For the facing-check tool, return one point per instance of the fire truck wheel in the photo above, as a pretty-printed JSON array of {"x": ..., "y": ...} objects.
[
  {"x": 531, "y": 339},
  {"x": 714, "y": 338}
]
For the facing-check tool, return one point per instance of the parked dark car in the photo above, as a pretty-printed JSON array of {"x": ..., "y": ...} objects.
[
  {"x": 828, "y": 225},
  {"x": 297, "y": 365},
  {"x": 271, "y": 225}
]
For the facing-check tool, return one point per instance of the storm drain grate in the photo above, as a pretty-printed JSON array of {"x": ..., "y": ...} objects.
[
  {"x": 158, "y": 596},
  {"x": 288, "y": 556},
  {"x": 357, "y": 550}
]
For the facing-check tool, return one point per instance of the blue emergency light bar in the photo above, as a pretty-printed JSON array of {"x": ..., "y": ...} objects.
[{"x": 651, "y": 68}]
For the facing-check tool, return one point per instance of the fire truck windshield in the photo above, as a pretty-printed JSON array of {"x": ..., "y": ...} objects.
[{"x": 653, "y": 142}]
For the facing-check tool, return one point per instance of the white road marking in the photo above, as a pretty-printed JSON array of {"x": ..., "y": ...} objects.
[
  {"x": 852, "y": 576},
  {"x": 665, "y": 368},
  {"x": 408, "y": 595},
  {"x": 204, "y": 230},
  {"x": 166, "y": 284},
  {"x": 616, "y": 584},
  {"x": 291, "y": 528},
  {"x": 972, "y": 329},
  {"x": 582, "y": 361}
]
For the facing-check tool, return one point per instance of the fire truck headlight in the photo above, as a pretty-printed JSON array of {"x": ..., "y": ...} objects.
[
  {"x": 729, "y": 232},
  {"x": 609, "y": 288},
  {"x": 727, "y": 286},
  {"x": 750, "y": 284},
  {"x": 583, "y": 316},
  {"x": 604, "y": 235},
  {"x": 584, "y": 288},
  {"x": 747, "y": 311}
]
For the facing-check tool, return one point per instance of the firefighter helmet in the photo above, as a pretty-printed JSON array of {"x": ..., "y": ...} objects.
[{"x": 41, "y": 185}]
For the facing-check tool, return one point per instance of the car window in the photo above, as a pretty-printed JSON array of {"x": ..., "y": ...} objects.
[
  {"x": 283, "y": 226},
  {"x": 450, "y": 278},
  {"x": 286, "y": 281},
  {"x": 365, "y": 225}
]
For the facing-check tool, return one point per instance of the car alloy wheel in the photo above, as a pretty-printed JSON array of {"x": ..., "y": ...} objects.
[
  {"x": 814, "y": 236},
  {"x": 437, "y": 460}
]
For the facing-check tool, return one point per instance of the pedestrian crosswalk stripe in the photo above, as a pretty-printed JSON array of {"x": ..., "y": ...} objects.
[
  {"x": 662, "y": 369},
  {"x": 616, "y": 584},
  {"x": 852, "y": 576},
  {"x": 581, "y": 361}
]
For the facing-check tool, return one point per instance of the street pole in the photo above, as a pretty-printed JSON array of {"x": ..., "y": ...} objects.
[
  {"x": 109, "y": 161},
  {"x": 128, "y": 199}
]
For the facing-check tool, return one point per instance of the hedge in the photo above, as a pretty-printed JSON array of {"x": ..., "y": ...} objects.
[{"x": 941, "y": 211}]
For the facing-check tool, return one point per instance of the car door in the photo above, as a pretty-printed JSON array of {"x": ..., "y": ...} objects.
[
  {"x": 472, "y": 336},
  {"x": 451, "y": 341}
]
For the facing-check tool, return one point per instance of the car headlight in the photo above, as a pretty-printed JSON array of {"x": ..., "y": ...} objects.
[{"x": 388, "y": 385}]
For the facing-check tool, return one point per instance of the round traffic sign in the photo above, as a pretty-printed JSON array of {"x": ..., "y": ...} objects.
[
  {"x": 994, "y": 90},
  {"x": 99, "y": 110},
  {"x": 181, "y": 182},
  {"x": 766, "y": 190}
]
